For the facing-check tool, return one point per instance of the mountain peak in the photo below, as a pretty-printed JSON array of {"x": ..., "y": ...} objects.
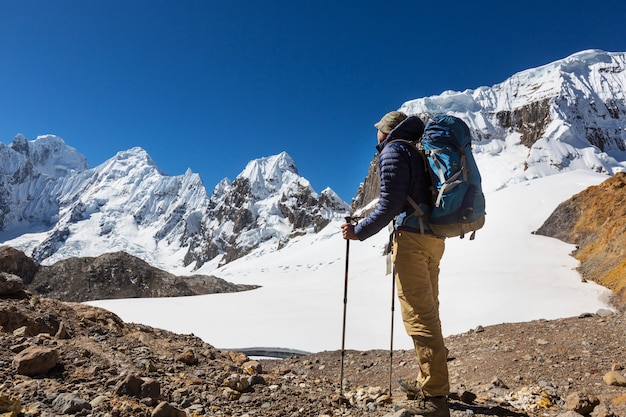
[
  {"x": 564, "y": 115},
  {"x": 50, "y": 155},
  {"x": 136, "y": 154},
  {"x": 128, "y": 204},
  {"x": 269, "y": 166},
  {"x": 268, "y": 174}
]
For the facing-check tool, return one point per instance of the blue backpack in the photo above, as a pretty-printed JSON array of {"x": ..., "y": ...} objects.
[{"x": 458, "y": 200}]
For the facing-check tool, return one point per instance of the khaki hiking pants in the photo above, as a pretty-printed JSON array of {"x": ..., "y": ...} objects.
[{"x": 416, "y": 259}]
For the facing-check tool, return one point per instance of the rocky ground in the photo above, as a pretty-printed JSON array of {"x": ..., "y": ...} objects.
[{"x": 60, "y": 358}]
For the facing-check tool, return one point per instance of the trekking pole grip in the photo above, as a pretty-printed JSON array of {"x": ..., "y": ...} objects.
[{"x": 352, "y": 219}]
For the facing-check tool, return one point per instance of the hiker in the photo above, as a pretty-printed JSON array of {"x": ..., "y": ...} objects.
[{"x": 416, "y": 255}]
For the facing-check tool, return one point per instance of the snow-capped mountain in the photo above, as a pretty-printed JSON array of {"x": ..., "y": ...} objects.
[
  {"x": 569, "y": 114},
  {"x": 31, "y": 175},
  {"x": 52, "y": 206},
  {"x": 566, "y": 115},
  {"x": 268, "y": 202}
]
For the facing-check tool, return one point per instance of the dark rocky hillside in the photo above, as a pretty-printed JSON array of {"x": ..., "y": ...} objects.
[{"x": 112, "y": 275}]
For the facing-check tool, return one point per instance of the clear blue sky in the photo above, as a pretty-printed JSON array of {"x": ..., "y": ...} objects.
[{"x": 210, "y": 85}]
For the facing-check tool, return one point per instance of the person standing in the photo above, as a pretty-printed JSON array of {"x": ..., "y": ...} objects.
[{"x": 416, "y": 255}]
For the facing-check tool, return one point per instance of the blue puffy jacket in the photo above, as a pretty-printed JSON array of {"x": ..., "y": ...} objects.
[{"x": 402, "y": 173}]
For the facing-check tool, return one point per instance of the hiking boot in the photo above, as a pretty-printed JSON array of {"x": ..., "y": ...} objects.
[
  {"x": 412, "y": 388},
  {"x": 431, "y": 407}
]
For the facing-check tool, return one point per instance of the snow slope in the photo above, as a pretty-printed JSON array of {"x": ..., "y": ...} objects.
[{"x": 506, "y": 275}]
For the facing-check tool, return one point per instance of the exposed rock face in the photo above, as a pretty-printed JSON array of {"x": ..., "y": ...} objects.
[
  {"x": 529, "y": 120},
  {"x": 267, "y": 202},
  {"x": 119, "y": 275},
  {"x": 369, "y": 190},
  {"x": 595, "y": 220}
]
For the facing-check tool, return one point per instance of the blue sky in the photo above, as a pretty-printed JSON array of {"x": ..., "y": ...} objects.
[{"x": 210, "y": 85}]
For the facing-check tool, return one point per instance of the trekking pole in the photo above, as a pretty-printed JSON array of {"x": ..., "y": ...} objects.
[
  {"x": 393, "y": 302},
  {"x": 351, "y": 220}
]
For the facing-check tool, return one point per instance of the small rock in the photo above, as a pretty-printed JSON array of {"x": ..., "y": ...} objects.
[
  {"x": 230, "y": 394},
  {"x": 237, "y": 382},
  {"x": 131, "y": 385},
  {"x": 35, "y": 360},
  {"x": 23, "y": 331},
  {"x": 614, "y": 378},
  {"x": 467, "y": 397},
  {"x": 237, "y": 357},
  {"x": 98, "y": 401},
  {"x": 337, "y": 400},
  {"x": 150, "y": 366},
  {"x": 252, "y": 367},
  {"x": 581, "y": 402},
  {"x": 603, "y": 312},
  {"x": 256, "y": 380},
  {"x": 19, "y": 347},
  {"x": 194, "y": 380},
  {"x": 166, "y": 410},
  {"x": 383, "y": 399},
  {"x": 11, "y": 407},
  {"x": 463, "y": 395},
  {"x": 188, "y": 357},
  {"x": 401, "y": 413},
  {"x": 602, "y": 411},
  {"x": 62, "y": 332},
  {"x": 68, "y": 403},
  {"x": 498, "y": 383},
  {"x": 150, "y": 388},
  {"x": 10, "y": 284},
  {"x": 621, "y": 400},
  {"x": 137, "y": 387}
]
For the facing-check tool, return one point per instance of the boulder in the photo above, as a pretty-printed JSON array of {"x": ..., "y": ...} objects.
[
  {"x": 10, "y": 284},
  {"x": 35, "y": 360}
]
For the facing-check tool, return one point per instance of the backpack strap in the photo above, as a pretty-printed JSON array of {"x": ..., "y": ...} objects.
[{"x": 418, "y": 210}]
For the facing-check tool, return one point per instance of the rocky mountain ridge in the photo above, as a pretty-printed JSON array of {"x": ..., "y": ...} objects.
[
  {"x": 52, "y": 206},
  {"x": 108, "y": 276},
  {"x": 267, "y": 202}
]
